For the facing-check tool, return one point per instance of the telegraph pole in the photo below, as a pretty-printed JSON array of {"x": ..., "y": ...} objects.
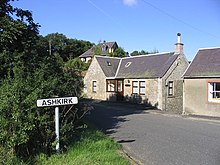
[{"x": 50, "y": 52}]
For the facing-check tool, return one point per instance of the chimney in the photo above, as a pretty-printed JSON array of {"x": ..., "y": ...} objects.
[{"x": 178, "y": 45}]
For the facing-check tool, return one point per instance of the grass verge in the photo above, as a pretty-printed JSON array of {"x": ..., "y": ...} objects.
[{"x": 93, "y": 148}]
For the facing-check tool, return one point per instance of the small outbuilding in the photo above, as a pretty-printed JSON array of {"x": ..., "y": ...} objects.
[{"x": 202, "y": 84}]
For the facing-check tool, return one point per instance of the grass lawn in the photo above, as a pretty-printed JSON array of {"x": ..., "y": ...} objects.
[{"x": 94, "y": 148}]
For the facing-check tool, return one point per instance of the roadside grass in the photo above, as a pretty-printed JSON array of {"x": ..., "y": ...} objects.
[{"x": 93, "y": 148}]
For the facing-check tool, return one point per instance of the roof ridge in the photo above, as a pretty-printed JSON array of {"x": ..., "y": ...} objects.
[
  {"x": 204, "y": 63},
  {"x": 118, "y": 58},
  {"x": 144, "y": 55},
  {"x": 86, "y": 52},
  {"x": 107, "y": 43},
  {"x": 119, "y": 65},
  {"x": 209, "y": 48}
]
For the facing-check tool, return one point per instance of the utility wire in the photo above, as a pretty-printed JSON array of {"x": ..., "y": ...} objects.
[
  {"x": 177, "y": 19},
  {"x": 161, "y": 11},
  {"x": 102, "y": 11}
]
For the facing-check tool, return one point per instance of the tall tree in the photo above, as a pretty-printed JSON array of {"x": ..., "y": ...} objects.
[
  {"x": 28, "y": 73},
  {"x": 119, "y": 52},
  {"x": 18, "y": 34},
  {"x": 66, "y": 48}
]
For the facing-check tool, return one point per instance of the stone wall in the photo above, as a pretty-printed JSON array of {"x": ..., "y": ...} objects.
[
  {"x": 174, "y": 103},
  {"x": 155, "y": 90},
  {"x": 151, "y": 96},
  {"x": 95, "y": 73}
]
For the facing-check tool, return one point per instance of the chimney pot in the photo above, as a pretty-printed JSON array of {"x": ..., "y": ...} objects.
[
  {"x": 178, "y": 37},
  {"x": 179, "y": 45}
]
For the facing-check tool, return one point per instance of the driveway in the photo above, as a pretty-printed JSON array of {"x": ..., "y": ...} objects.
[{"x": 152, "y": 137}]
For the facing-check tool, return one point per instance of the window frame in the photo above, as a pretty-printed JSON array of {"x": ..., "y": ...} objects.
[
  {"x": 103, "y": 48},
  {"x": 142, "y": 87},
  {"x": 94, "y": 86},
  {"x": 135, "y": 86},
  {"x": 107, "y": 85},
  {"x": 211, "y": 85},
  {"x": 170, "y": 89},
  {"x": 128, "y": 64}
]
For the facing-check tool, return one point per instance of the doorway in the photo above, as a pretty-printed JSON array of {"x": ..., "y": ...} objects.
[{"x": 120, "y": 90}]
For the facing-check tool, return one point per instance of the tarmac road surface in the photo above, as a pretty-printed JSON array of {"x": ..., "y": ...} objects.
[{"x": 155, "y": 138}]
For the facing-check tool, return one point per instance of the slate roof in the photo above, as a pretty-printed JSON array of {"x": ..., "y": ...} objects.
[
  {"x": 205, "y": 64},
  {"x": 109, "y": 44},
  {"x": 144, "y": 66},
  {"x": 88, "y": 53},
  {"x": 109, "y": 65}
]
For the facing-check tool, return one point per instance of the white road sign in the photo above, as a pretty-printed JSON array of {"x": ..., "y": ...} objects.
[{"x": 57, "y": 101}]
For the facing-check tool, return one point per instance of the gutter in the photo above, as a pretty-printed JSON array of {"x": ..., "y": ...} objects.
[{"x": 195, "y": 77}]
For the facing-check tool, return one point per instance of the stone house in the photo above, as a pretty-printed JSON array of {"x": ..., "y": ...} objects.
[
  {"x": 152, "y": 79},
  {"x": 202, "y": 84},
  {"x": 106, "y": 47}
]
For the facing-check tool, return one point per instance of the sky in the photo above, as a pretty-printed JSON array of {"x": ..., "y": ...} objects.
[{"x": 134, "y": 24}]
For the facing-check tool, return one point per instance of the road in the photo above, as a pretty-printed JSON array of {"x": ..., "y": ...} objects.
[{"x": 155, "y": 138}]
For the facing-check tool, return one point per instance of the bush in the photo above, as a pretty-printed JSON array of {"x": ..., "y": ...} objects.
[
  {"x": 27, "y": 73},
  {"x": 7, "y": 156},
  {"x": 29, "y": 130}
]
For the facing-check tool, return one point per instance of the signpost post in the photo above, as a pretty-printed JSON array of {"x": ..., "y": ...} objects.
[
  {"x": 57, "y": 102},
  {"x": 57, "y": 131}
]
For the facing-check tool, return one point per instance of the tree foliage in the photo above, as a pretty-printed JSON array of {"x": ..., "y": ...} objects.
[
  {"x": 18, "y": 34},
  {"x": 27, "y": 73},
  {"x": 76, "y": 64},
  {"x": 66, "y": 48},
  {"x": 97, "y": 50},
  {"x": 118, "y": 52},
  {"x": 143, "y": 52}
]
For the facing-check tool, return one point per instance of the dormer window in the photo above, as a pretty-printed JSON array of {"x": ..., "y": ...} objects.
[
  {"x": 109, "y": 63},
  {"x": 128, "y": 64},
  {"x": 104, "y": 48}
]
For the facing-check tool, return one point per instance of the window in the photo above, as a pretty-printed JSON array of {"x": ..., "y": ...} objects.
[
  {"x": 94, "y": 87},
  {"x": 110, "y": 50},
  {"x": 109, "y": 63},
  {"x": 170, "y": 88},
  {"x": 103, "y": 48},
  {"x": 214, "y": 92},
  {"x": 139, "y": 87},
  {"x": 110, "y": 85},
  {"x": 135, "y": 87},
  {"x": 120, "y": 86},
  {"x": 128, "y": 64},
  {"x": 142, "y": 87}
]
